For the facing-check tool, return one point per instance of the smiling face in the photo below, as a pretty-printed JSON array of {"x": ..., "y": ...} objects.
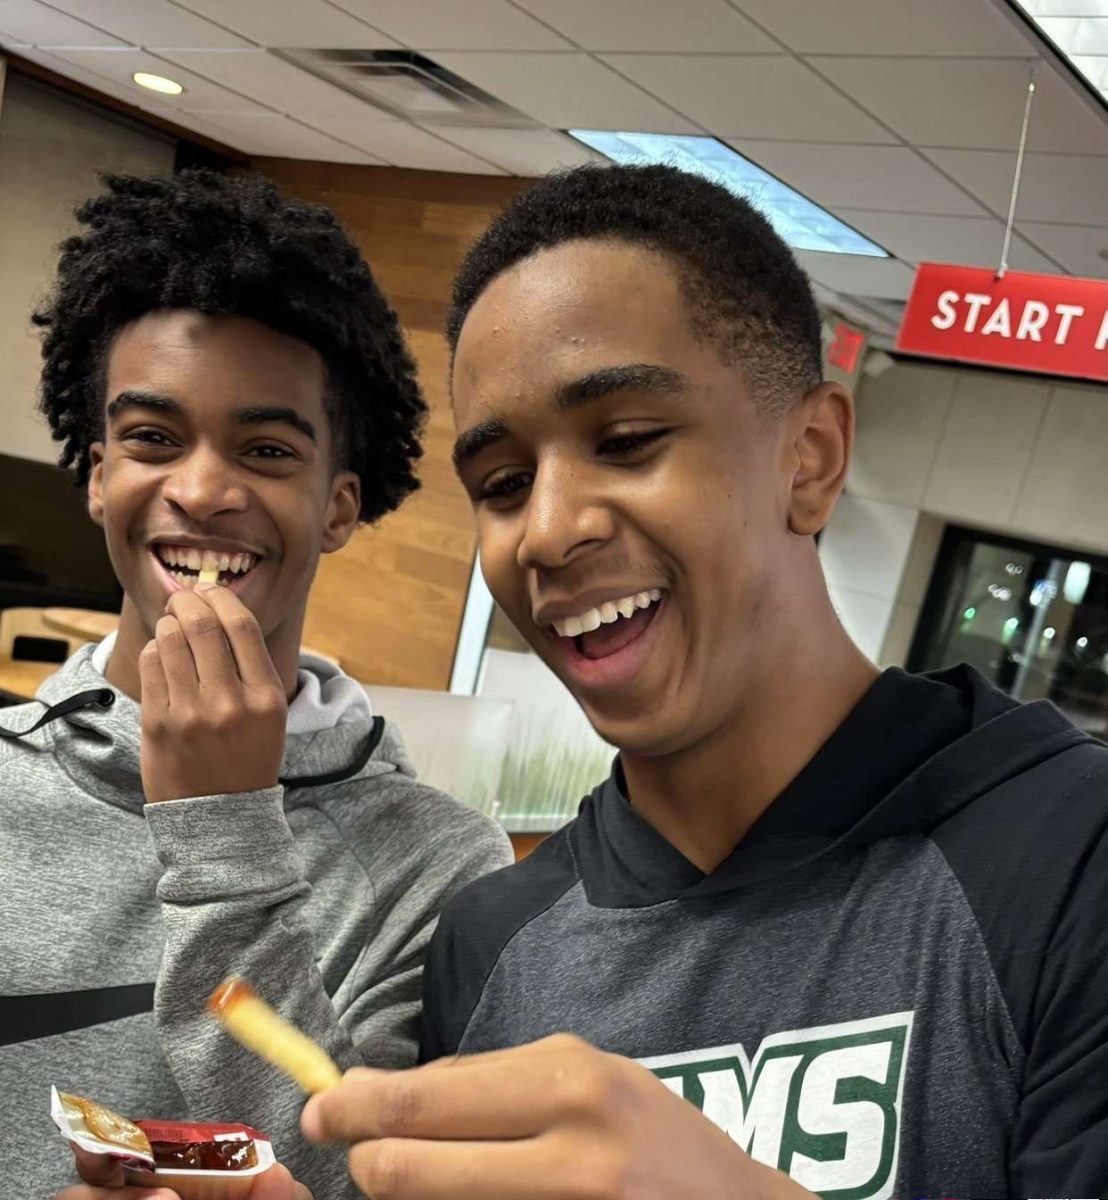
[
  {"x": 638, "y": 520},
  {"x": 217, "y": 453}
]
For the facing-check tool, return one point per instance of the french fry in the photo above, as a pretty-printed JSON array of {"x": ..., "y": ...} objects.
[
  {"x": 209, "y": 575},
  {"x": 247, "y": 1018}
]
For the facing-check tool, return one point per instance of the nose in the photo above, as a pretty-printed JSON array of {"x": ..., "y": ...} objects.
[
  {"x": 203, "y": 485},
  {"x": 566, "y": 516}
]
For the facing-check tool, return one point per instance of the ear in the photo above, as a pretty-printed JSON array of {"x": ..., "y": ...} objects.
[
  {"x": 342, "y": 511},
  {"x": 823, "y": 436},
  {"x": 96, "y": 483}
]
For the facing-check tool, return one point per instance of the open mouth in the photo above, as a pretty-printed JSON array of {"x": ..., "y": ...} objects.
[
  {"x": 606, "y": 629},
  {"x": 184, "y": 564}
]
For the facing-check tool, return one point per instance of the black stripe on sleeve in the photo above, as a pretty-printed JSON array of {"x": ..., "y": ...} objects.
[{"x": 44, "y": 1014}]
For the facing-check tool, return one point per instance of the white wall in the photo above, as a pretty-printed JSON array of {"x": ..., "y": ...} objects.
[
  {"x": 51, "y": 148},
  {"x": 996, "y": 451}
]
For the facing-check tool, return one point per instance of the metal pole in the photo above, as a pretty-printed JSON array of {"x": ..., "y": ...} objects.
[{"x": 1016, "y": 179}]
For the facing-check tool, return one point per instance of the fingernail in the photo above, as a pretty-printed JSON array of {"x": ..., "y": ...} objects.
[{"x": 204, "y": 587}]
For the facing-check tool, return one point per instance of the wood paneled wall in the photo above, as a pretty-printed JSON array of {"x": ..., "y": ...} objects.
[{"x": 389, "y": 605}]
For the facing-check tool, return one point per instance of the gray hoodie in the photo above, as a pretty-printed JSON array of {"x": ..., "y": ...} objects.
[{"x": 119, "y": 920}]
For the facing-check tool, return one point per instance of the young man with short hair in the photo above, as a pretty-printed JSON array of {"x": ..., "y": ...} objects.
[
  {"x": 850, "y": 924},
  {"x": 231, "y": 385}
]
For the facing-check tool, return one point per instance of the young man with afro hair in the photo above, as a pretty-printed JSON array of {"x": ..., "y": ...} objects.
[
  {"x": 824, "y": 930},
  {"x": 194, "y": 797}
]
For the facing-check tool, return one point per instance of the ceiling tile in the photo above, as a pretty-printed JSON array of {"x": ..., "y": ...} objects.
[
  {"x": 694, "y": 25},
  {"x": 857, "y": 275},
  {"x": 449, "y": 25},
  {"x": 273, "y": 134},
  {"x": 404, "y": 145},
  {"x": 27, "y": 23},
  {"x": 151, "y": 23},
  {"x": 148, "y": 102},
  {"x": 970, "y": 241},
  {"x": 523, "y": 151},
  {"x": 566, "y": 91},
  {"x": 974, "y": 103},
  {"x": 1054, "y": 187},
  {"x": 729, "y": 95},
  {"x": 886, "y": 178},
  {"x": 282, "y": 86},
  {"x": 119, "y": 65},
  {"x": 1077, "y": 247},
  {"x": 292, "y": 23},
  {"x": 944, "y": 27}
]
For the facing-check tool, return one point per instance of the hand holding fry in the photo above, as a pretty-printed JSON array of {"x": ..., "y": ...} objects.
[
  {"x": 213, "y": 706},
  {"x": 556, "y": 1119}
]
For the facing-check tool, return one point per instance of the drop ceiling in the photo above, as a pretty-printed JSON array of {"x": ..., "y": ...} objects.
[{"x": 901, "y": 117}]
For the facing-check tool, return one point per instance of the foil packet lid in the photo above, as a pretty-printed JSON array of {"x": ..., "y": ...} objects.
[{"x": 92, "y": 1127}]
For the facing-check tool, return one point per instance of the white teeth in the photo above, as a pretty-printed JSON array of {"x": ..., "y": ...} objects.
[
  {"x": 590, "y": 620},
  {"x": 605, "y": 614},
  {"x": 186, "y": 558}
]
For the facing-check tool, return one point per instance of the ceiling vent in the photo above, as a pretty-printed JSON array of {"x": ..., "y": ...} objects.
[{"x": 409, "y": 85}]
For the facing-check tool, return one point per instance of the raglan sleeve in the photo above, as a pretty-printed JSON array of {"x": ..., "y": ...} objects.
[{"x": 1060, "y": 1143}]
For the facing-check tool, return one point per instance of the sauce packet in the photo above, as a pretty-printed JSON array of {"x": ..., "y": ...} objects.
[{"x": 199, "y": 1161}]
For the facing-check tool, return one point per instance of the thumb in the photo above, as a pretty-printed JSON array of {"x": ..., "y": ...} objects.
[
  {"x": 278, "y": 1184},
  {"x": 104, "y": 1170}
]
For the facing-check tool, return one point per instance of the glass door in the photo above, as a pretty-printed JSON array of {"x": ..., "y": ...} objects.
[{"x": 1031, "y": 618}]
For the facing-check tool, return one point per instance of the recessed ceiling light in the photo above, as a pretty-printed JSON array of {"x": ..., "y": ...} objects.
[
  {"x": 801, "y": 222},
  {"x": 157, "y": 83}
]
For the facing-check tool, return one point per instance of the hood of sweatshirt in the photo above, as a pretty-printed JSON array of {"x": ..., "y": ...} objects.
[
  {"x": 966, "y": 738},
  {"x": 94, "y": 732}
]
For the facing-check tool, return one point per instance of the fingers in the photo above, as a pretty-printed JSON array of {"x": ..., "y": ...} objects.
[
  {"x": 244, "y": 635},
  {"x": 182, "y": 682},
  {"x": 85, "y": 1192},
  {"x": 454, "y": 1170},
  {"x": 154, "y": 694},
  {"x": 207, "y": 643},
  {"x": 278, "y": 1184},
  {"x": 101, "y": 1169},
  {"x": 500, "y": 1096}
]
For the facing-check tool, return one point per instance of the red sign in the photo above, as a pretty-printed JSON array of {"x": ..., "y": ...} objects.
[
  {"x": 1050, "y": 324},
  {"x": 845, "y": 347}
]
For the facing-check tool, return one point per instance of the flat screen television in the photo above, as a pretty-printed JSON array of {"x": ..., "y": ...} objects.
[{"x": 51, "y": 553}]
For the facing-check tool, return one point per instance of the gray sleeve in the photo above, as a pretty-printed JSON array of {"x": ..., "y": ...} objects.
[
  {"x": 235, "y": 904},
  {"x": 430, "y": 847},
  {"x": 232, "y": 903}
]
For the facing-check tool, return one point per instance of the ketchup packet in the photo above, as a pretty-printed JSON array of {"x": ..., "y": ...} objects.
[{"x": 198, "y": 1161}]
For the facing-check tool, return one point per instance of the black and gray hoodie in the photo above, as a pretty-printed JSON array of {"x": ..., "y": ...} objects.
[
  {"x": 895, "y": 986},
  {"x": 119, "y": 919}
]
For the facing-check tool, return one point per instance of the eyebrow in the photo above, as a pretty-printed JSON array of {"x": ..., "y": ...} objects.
[
  {"x": 257, "y": 415},
  {"x": 596, "y": 385},
  {"x": 264, "y": 415}
]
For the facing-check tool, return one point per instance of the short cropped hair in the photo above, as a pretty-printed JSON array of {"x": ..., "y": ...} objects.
[{"x": 744, "y": 290}]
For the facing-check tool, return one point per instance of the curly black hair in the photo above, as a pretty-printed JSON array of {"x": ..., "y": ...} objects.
[
  {"x": 232, "y": 246},
  {"x": 745, "y": 292}
]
